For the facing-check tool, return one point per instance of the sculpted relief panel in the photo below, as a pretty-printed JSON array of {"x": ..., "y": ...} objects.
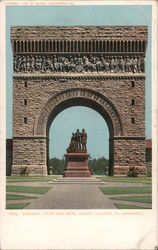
[{"x": 79, "y": 63}]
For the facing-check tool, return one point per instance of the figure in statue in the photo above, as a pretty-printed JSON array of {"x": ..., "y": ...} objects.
[
  {"x": 107, "y": 65},
  {"x": 135, "y": 67},
  {"x": 98, "y": 65},
  {"x": 79, "y": 64},
  {"x": 84, "y": 140},
  {"x": 17, "y": 62},
  {"x": 49, "y": 66},
  {"x": 28, "y": 64},
  {"x": 86, "y": 63},
  {"x": 122, "y": 64},
  {"x": 104, "y": 64},
  {"x": 128, "y": 64},
  {"x": 141, "y": 62},
  {"x": 112, "y": 64},
  {"x": 92, "y": 60},
  {"x": 58, "y": 66},
  {"x": 38, "y": 63},
  {"x": 32, "y": 64},
  {"x": 72, "y": 64},
  {"x": 78, "y": 139},
  {"x": 72, "y": 146},
  {"x": 115, "y": 65},
  {"x": 23, "y": 64}
]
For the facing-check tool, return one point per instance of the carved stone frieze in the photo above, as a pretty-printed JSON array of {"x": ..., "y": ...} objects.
[{"x": 79, "y": 63}]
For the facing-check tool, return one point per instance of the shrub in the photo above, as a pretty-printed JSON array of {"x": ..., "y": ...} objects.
[
  {"x": 24, "y": 171},
  {"x": 133, "y": 172},
  {"x": 149, "y": 169}
]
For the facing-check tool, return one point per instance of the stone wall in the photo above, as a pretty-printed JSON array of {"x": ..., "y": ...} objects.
[{"x": 29, "y": 152}]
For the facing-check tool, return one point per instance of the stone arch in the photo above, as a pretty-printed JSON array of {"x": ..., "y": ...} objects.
[{"x": 80, "y": 97}]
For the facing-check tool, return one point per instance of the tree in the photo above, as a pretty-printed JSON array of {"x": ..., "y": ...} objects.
[
  {"x": 98, "y": 166},
  {"x": 57, "y": 165}
]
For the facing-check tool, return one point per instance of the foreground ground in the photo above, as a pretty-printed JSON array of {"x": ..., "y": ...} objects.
[{"x": 52, "y": 192}]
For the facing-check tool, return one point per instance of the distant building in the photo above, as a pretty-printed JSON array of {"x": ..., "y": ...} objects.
[
  {"x": 9, "y": 156},
  {"x": 149, "y": 150}
]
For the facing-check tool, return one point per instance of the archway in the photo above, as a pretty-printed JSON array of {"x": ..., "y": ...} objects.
[
  {"x": 80, "y": 97},
  {"x": 66, "y": 122}
]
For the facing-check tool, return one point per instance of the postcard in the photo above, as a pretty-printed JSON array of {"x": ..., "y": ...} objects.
[{"x": 78, "y": 127}]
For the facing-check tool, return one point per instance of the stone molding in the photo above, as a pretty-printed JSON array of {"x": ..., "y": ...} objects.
[{"x": 79, "y": 77}]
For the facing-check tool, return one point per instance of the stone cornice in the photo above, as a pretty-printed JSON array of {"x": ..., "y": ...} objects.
[
  {"x": 29, "y": 137},
  {"x": 128, "y": 33},
  {"x": 129, "y": 137},
  {"x": 87, "y": 77}
]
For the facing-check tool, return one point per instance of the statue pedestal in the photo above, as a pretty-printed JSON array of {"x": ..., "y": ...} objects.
[{"x": 77, "y": 165}]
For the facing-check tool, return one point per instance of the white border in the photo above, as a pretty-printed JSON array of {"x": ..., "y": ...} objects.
[{"x": 58, "y": 229}]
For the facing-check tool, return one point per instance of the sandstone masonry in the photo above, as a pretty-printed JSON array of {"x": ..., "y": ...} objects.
[{"x": 98, "y": 67}]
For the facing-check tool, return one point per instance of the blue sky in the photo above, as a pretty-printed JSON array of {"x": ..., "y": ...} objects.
[{"x": 78, "y": 117}]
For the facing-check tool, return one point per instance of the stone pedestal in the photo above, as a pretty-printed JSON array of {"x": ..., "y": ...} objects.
[{"x": 77, "y": 165}]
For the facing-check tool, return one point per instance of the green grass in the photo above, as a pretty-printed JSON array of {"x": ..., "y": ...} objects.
[
  {"x": 31, "y": 190},
  {"x": 123, "y": 206},
  {"x": 143, "y": 199},
  {"x": 146, "y": 180},
  {"x": 16, "y": 206},
  {"x": 29, "y": 178},
  {"x": 18, "y": 197},
  {"x": 125, "y": 190}
]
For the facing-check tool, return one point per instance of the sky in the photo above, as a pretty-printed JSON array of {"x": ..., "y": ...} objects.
[{"x": 77, "y": 117}]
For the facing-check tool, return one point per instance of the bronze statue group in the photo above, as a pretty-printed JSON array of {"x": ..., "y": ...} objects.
[{"x": 78, "y": 142}]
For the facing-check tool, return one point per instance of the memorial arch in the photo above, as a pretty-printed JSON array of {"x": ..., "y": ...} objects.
[{"x": 98, "y": 67}]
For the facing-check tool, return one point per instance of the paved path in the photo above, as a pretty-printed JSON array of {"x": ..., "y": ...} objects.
[
  {"x": 76, "y": 196},
  {"x": 75, "y": 193}
]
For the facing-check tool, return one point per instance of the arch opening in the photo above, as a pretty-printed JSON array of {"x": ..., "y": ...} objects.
[
  {"x": 84, "y": 103},
  {"x": 60, "y": 132}
]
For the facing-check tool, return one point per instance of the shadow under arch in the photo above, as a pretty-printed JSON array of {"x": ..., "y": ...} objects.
[{"x": 80, "y": 97}]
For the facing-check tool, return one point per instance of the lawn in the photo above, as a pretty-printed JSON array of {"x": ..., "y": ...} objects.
[
  {"x": 125, "y": 190},
  {"x": 25, "y": 189},
  {"x": 123, "y": 206},
  {"x": 143, "y": 199},
  {"x": 30, "y": 178},
  {"x": 18, "y": 197},
  {"x": 16, "y": 206},
  {"x": 145, "y": 180}
]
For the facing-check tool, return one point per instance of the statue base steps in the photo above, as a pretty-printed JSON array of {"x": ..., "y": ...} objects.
[
  {"x": 77, "y": 165},
  {"x": 77, "y": 180}
]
